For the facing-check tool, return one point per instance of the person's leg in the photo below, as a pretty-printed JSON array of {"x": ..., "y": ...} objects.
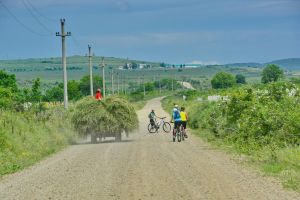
[
  {"x": 184, "y": 128},
  {"x": 152, "y": 122}
]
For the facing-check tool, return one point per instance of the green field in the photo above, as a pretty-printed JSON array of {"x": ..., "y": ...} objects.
[{"x": 49, "y": 70}]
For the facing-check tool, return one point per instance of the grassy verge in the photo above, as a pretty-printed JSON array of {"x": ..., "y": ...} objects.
[
  {"x": 26, "y": 138},
  {"x": 280, "y": 161}
]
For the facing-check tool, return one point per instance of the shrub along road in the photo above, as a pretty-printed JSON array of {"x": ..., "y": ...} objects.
[{"x": 145, "y": 166}]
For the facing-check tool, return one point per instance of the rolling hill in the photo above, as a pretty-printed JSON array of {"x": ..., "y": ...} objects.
[{"x": 292, "y": 64}]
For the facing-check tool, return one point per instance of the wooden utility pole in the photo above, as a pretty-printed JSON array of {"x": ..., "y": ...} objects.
[
  {"x": 103, "y": 76},
  {"x": 144, "y": 85},
  {"x": 125, "y": 89},
  {"x": 118, "y": 77},
  {"x": 64, "y": 60},
  {"x": 112, "y": 81},
  {"x": 91, "y": 70},
  {"x": 159, "y": 84},
  {"x": 122, "y": 82}
]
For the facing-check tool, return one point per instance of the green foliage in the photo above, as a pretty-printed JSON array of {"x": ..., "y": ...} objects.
[
  {"x": 271, "y": 73},
  {"x": 84, "y": 84},
  {"x": 54, "y": 94},
  {"x": 149, "y": 86},
  {"x": 6, "y": 96},
  {"x": 74, "y": 92},
  {"x": 27, "y": 137},
  {"x": 240, "y": 79},
  {"x": 111, "y": 115},
  {"x": 223, "y": 80},
  {"x": 134, "y": 65},
  {"x": 262, "y": 122},
  {"x": 8, "y": 81},
  {"x": 36, "y": 91}
]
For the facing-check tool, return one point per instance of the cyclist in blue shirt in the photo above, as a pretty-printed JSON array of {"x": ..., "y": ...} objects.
[{"x": 176, "y": 117}]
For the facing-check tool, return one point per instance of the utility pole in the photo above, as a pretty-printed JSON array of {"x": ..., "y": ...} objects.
[
  {"x": 121, "y": 80},
  {"x": 125, "y": 89},
  {"x": 91, "y": 70},
  {"x": 103, "y": 76},
  {"x": 64, "y": 60},
  {"x": 144, "y": 85},
  {"x": 118, "y": 77},
  {"x": 172, "y": 84},
  {"x": 112, "y": 81},
  {"x": 159, "y": 82}
]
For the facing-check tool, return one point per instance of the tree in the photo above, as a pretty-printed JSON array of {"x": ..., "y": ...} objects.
[
  {"x": 36, "y": 90},
  {"x": 149, "y": 86},
  {"x": 73, "y": 90},
  {"x": 54, "y": 94},
  {"x": 84, "y": 84},
  {"x": 5, "y": 98},
  {"x": 240, "y": 79},
  {"x": 223, "y": 80},
  {"x": 162, "y": 65},
  {"x": 271, "y": 73},
  {"x": 8, "y": 81},
  {"x": 134, "y": 65}
]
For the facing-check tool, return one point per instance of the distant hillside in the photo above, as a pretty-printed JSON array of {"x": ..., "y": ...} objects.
[
  {"x": 250, "y": 64},
  {"x": 289, "y": 63},
  {"x": 50, "y": 69}
]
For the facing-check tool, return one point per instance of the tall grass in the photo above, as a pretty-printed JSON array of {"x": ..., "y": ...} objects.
[{"x": 26, "y": 138}]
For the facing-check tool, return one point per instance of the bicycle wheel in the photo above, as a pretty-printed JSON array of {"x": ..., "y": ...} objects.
[
  {"x": 182, "y": 134},
  {"x": 167, "y": 127},
  {"x": 151, "y": 128},
  {"x": 178, "y": 135},
  {"x": 174, "y": 135}
]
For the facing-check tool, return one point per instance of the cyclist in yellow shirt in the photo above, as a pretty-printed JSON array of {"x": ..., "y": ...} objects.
[{"x": 184, "y": 118}]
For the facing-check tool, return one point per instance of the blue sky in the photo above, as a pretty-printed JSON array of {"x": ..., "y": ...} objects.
[{"x": 173, "y": 31}]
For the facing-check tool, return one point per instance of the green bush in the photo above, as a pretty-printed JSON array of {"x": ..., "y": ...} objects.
[
  {"x": 259, "y": 116},
  {"x": 223, "y": 80}
]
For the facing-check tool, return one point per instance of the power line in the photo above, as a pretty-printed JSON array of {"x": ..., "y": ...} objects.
[
  {"x": 20, "y": 22},
  {"x": 39, "y": 13},
  {"x": 36, "y": 19},
  {"x": 77, "y": 44}
]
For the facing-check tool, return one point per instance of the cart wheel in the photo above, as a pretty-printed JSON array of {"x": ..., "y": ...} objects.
[
  {"x": 118, "y": 137},
  {"x": 94, "y": 138}
]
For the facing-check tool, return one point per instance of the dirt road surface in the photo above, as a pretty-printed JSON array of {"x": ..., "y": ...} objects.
[
  {"x": 145, "y": 166},
  {"x": 187, "y": 85}
]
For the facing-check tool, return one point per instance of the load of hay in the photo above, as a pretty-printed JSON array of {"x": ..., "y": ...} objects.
[{"x": 106, "y": 118}]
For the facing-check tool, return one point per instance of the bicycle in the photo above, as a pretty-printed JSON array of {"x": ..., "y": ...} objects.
[
  {"x": 178, "y": 132},
  {"x": 153, "y": 128}
]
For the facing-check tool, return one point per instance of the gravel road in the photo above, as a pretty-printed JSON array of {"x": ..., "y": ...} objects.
[{"x": 145, "y": 166}]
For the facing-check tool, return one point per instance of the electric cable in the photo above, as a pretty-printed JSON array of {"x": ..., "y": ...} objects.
[
  {"x": 20, "y": 22},
  {"x": 36, "y": 19}
]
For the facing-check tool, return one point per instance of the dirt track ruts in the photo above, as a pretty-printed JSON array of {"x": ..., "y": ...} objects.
[{"x": 145, "y": 166}]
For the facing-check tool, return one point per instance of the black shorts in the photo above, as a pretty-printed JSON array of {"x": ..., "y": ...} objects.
[
  {"x": 177, "y": 124},
  {"x": 152, "y": 122},
  {"x": 184, "y": 124}
]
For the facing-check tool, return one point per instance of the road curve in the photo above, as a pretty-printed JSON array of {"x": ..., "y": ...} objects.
[{"x": 145, "y": 166}]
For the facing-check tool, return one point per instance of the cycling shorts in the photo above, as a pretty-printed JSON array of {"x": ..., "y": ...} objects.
[
  {"x": 177, "y": 124},
  {"x": 184, "y": 124}
]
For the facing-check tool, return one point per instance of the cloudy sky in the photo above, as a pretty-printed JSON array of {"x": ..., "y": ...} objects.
[{"x": 173, "y": 31}]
